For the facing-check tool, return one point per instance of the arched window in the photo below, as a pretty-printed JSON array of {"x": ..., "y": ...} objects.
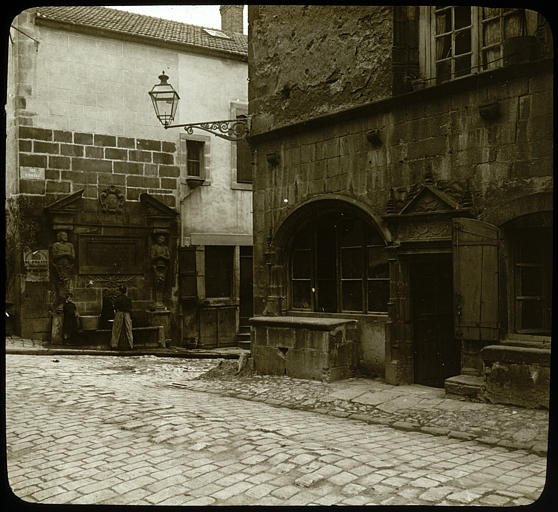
[{"x": 339, "y": 264}]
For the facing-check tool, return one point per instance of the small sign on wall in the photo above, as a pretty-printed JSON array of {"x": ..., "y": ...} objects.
[
  {"x": 36, "y": 265},
  {"x": 31, "y": 173}
]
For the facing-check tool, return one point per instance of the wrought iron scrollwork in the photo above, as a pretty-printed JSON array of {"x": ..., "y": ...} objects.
[{"x": 231, "y": 129}]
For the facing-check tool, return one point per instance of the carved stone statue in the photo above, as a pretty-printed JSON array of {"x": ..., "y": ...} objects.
[
  {"x": 62, "y": 257},
  {"x": 160, "y": 261}
]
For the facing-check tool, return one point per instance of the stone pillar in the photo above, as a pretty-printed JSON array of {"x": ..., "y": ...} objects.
[
  {"x": 160, "y": 264},
  {"x": 399, "y": 342}
]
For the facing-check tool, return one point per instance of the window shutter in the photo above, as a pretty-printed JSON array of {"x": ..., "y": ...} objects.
[
  {"x": 187, "y": 272},
  {"x": 243, "y": 160},
  {"x": 475, "y": 279}
]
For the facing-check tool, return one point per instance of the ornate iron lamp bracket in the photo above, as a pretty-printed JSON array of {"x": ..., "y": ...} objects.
[{"x": 232, "y": 129}]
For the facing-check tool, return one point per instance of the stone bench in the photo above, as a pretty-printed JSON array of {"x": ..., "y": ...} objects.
[
  {"x": 305, "y": 347},
  {"x": 143, "y": 336}
]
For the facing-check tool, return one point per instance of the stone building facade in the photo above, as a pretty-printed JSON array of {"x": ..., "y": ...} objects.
[
  {"x": 403, "y": 189},
  {"x": 89, "y": 165}
]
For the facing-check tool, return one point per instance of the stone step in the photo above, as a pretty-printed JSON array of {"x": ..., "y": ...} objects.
[
  {"x": 464, "y": 385},
  {"x": 243, "y": 344}
]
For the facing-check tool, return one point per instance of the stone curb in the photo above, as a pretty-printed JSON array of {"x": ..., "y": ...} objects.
[
  {"x": 92, "y": 352},
  {"x": 536, "y": 448}
]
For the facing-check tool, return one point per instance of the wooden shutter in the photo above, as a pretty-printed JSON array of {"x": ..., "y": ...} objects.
[
  {"x": 475, "y": 279},
  {"x": 243, "y": 160},
  {"x": 187, "y": 272}
]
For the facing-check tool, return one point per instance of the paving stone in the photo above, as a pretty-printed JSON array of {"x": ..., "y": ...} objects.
[
  {"x": 435, "y": 494},
  {"x": 342, "y": 478},
  {"x": 285, "y": 492},
  {"x": 201, "y": 501},
  {"x": 233, "y": 490},
  {"x": 350, "y": 456},
  {"x": 424, "y": 482},
  {"x": 463, "y": 496},
  {"x": 353, "y": 489}
]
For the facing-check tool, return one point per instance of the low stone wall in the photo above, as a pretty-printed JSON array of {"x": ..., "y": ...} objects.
[
  {"x": 305, "y": 347},
  {"x": 517, "y": 375}
]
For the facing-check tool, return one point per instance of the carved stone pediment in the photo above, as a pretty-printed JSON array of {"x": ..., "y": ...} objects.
[
  {"x": 63, "y": 211},
  {"x": 159, "y": 216},
  {"x": 429, "y": 200},
  {"x": 423, "y": 212},
  {"x": 430, "y": 196}
]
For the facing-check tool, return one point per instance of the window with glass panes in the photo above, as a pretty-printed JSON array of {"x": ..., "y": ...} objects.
[
  {"x": 497, "y": 25},
  {"x": 194, "y": 157},
  {"x": 468, "y": 39},
  {"x": 533, "y": 280},
  {"x": 339, "y": 264}
]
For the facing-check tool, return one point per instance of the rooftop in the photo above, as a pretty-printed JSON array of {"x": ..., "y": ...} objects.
[{"x": 146, "y": 27}]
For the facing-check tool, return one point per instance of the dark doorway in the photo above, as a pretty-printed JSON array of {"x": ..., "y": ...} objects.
[
  {"x": 246, "y": 284},
  {"x": 436, "y": 351}
]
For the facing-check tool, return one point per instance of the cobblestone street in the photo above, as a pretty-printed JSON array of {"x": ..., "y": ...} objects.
[{"x": 114, "y": 430}]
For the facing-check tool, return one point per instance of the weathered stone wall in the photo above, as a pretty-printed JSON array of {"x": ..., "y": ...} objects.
[
  {"x": 312, "y": 60},
  {"x": 71, "y": 161},
  {"x": 441, "y": 132},
  {"x": 371, "y": 333},
  {"x": 517, "y": 375}
]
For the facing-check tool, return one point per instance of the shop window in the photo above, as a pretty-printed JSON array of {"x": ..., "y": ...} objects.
[
  {"x": 532, "y": 275},
  {"x": 218, "y": 270},
  {"x": 339, "y": 264},
  {"x": 462, "y": 40}
]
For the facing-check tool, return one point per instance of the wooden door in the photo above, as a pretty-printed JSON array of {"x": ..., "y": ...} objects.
[
  {"x": 475, "y": 279},
  {"x": 436, "y": 352}
]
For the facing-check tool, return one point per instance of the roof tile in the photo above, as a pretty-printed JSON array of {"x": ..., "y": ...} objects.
[{"x": 123, "y": 22}]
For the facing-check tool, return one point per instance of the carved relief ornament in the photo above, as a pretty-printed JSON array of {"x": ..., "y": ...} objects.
[{"x": 112, "y": 200}]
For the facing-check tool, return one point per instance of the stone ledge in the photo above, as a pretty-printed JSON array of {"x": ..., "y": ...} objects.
[
  {"x": 312, "y": 323},
  {"x": 514, "y": 354}
]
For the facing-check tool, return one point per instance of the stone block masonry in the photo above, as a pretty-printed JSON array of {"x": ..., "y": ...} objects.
[
  {"x": 304, "y": 347},
  {"x": 55, "y": 163}
]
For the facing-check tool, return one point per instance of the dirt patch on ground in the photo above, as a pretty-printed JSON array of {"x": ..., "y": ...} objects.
[{"x": 227, "y": 369}]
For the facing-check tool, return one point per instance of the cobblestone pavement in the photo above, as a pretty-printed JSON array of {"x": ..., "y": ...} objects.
[
  {"x": 110, "y": 430},
  {"x": 412, "y": 407}
]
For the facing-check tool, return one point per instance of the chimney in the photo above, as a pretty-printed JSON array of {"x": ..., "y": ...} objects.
[{"x": 232, "y": 18}]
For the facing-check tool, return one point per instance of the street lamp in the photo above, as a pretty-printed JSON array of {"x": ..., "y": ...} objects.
[{"x": 165, "y": 100}]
